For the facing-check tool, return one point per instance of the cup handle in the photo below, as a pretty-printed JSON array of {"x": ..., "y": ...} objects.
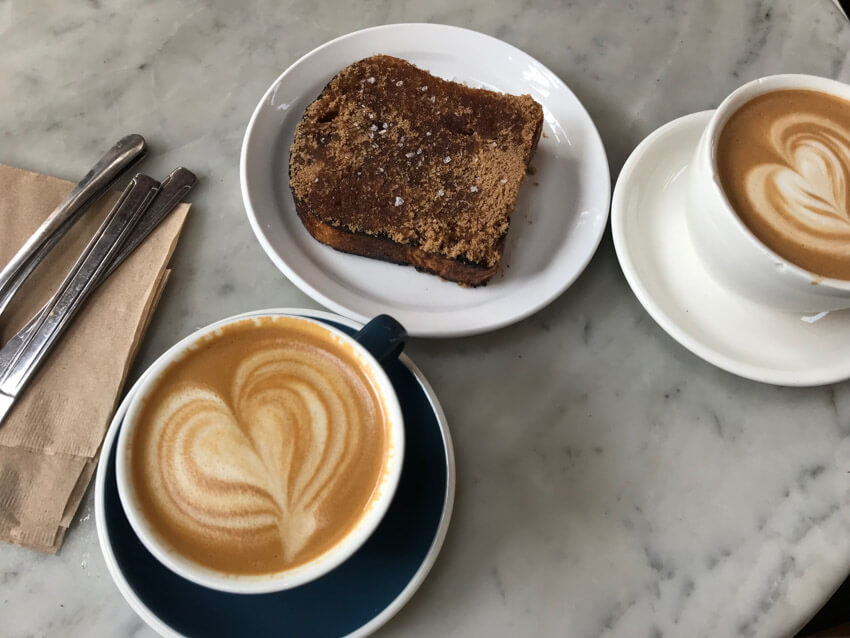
[{"x": 383, "y": 337}]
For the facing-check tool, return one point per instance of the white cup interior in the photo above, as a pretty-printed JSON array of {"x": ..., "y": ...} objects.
[{"x": 301, "y": 574}]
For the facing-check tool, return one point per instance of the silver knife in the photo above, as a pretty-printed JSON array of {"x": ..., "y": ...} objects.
[
  {"x": 23, "y": 358},
  {"x": 119, "y": 158}
]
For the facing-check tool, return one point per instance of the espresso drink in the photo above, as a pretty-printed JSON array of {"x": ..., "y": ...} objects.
[
  {"x": 261, "y": 448},
  {"x": 784, "y": 163}
]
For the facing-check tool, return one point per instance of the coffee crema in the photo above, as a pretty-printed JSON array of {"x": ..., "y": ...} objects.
[
  {"x": 783, "y": 161},
  {"x": 261, "y": 448}
]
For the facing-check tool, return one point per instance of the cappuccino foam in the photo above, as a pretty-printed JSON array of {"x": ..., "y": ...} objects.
[
  {"x": 261, "y": 448},
  {"x": 784, "y": 163}
]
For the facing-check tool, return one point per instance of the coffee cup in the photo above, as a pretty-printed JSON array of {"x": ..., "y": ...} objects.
[
  {"x": 261, "y": 452},
  {"x": 796, "y": 226}
]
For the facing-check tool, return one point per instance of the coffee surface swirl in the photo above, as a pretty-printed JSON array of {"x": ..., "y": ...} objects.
[
  {"x": 261, "y": 448},
  {"x": 784, "y": 163}
]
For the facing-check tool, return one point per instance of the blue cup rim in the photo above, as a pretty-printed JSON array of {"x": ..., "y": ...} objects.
[{"x": 390, "y": 610}]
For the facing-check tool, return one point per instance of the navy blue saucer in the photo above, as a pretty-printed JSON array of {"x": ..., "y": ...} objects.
[{"x": 355, "y": 594}]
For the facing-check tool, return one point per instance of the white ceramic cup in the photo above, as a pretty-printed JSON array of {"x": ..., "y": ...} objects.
[
  {"x": 728, "y": 249},
  {"x": 382, "y": 338}
]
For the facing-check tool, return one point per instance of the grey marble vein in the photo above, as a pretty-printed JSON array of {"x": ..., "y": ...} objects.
[{"x": 609, "y": 482}]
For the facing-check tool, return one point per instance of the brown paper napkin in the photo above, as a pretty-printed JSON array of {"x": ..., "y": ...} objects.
[{"x": 50, "y": 440}]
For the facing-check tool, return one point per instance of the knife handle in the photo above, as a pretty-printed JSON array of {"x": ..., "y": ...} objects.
[
  {"x": 80, "y": 282},
  {"x": 174, "y": 189},
  {"x": 119, "y": 158}
]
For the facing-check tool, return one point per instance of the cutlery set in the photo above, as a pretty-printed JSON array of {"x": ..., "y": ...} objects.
[{"x": 143, "y": 204}]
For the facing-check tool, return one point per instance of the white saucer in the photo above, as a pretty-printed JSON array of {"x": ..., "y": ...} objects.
[
  {"x": 653, "y": 245},
  {"x": 559, "y": 220}
]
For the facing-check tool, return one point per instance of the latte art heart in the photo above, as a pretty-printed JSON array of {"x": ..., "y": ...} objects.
[
  {"x": 262, "y": 463},
  {"x": 783, "y": 160},
  {"x": 806, "y": 195}
]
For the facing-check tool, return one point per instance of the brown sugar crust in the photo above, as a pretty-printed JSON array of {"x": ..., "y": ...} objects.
[{"x": 394, "y": 163}]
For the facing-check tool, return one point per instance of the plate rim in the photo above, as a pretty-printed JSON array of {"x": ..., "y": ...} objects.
[
  {"x": 622, "y": 246},
  {"x": 403, "y": 597},
  {"x": 481, "y": 326}
]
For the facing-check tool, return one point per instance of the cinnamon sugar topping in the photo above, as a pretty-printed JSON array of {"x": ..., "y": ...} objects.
[{"x": 472, "y": 148}]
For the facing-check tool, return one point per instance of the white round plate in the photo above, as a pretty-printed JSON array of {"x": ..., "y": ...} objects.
[
  {"x": 655, "y": 252},
  {"x": 556, "y": 227},
  {"x": 382, "y": 615}
]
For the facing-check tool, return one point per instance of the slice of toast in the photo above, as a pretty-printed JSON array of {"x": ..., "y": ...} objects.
[{"x": 393, "y": 163}]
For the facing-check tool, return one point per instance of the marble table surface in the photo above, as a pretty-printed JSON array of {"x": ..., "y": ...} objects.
[{"x": 609, "y": 482}]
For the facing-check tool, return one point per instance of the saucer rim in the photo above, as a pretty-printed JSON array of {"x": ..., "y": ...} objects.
[
  {"x": 403, "y": 597},
  {"x": 622, "y": 245},
  {"x": 423, "y": 325}
]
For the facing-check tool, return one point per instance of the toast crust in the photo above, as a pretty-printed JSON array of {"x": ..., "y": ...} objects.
[{"x": 463, "y": 272}]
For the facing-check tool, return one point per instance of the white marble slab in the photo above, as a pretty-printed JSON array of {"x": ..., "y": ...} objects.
[{"x": 610, "y": 483}]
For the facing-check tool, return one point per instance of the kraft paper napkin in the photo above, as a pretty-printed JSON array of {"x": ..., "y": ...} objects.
[{"x": 49, "y": 442}]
